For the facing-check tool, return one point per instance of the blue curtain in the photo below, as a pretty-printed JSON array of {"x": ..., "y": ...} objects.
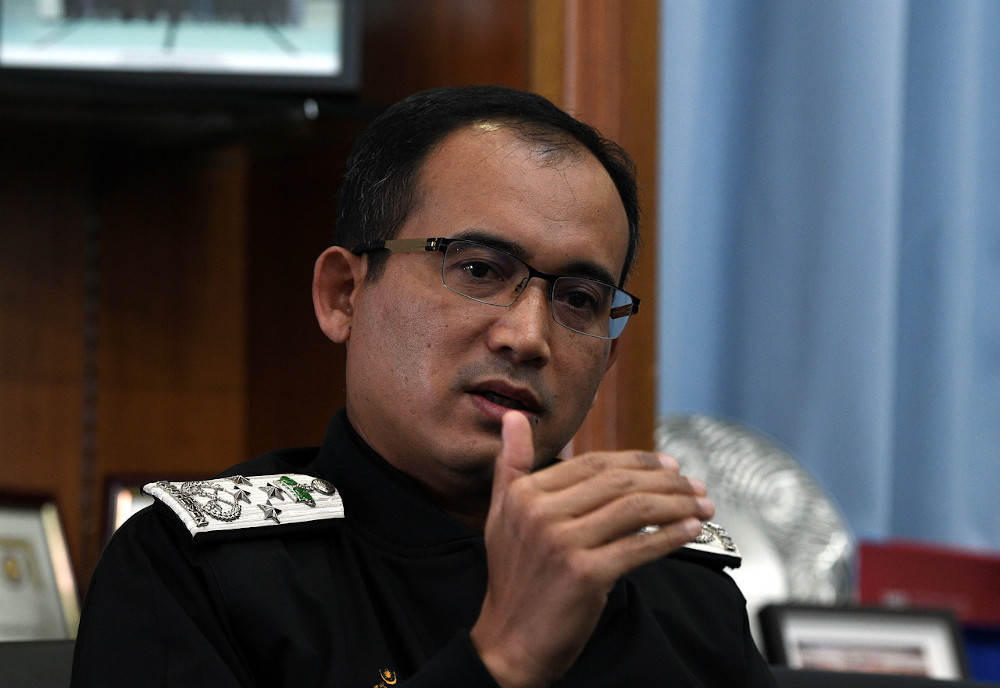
[{"x": 829, "y": 246}]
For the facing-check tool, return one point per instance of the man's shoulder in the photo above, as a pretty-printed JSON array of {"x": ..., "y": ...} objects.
[
  {"x": 695, "y": 571},
  {"x": 694, "y": 577}
]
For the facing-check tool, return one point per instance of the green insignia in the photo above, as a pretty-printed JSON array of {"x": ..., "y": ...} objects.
[{"x": 303, "y": 495}]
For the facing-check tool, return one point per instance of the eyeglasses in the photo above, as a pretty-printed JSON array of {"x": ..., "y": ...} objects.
[{"x": 489, "y": 275}]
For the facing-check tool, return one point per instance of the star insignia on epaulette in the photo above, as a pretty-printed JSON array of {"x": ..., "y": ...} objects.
[
  {"x": 273, "y": 491},
  {"x": 270, "y": 511}
]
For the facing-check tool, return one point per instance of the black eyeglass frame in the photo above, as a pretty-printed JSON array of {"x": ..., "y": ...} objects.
[{"x": 440, "y": 244}]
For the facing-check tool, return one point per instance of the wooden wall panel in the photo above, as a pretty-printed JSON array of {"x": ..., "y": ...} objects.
[
  {"x": 410, "y": 46},
  {"x": 172, "y": 328},
  {"x": 44, "y": 209},
  {"x": 171, "y": 377}
]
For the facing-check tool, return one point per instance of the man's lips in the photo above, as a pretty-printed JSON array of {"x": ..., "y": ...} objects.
[
  {"x": 503, "y": 401},
  {"x": 507, "y": 395}
]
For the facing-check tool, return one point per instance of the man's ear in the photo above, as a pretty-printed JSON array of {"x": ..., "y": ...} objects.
[{"x": 336, "y": 278}]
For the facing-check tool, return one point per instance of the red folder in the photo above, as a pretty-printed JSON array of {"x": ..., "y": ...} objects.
[{"x": 915, "y": 574}]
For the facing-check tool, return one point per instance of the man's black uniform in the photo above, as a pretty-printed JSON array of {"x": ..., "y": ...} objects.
[{"x": 383, "y": 595}]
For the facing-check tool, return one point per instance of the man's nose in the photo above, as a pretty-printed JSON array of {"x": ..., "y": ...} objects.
[{"x": 523, "y": 329}]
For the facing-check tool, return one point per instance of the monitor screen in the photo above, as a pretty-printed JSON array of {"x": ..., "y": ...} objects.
[{"x": 305, "y": 45}]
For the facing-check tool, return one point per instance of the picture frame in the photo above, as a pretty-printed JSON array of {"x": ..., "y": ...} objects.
[
  {"x": 38, "y": 596},
  {"x": 874, "y": 640}
]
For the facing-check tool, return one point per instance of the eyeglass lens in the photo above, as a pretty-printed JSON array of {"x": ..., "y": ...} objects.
[{"x": 492, "y": 276}]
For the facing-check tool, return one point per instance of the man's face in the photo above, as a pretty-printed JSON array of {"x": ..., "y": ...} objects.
[{"x": 431, "y": 372}]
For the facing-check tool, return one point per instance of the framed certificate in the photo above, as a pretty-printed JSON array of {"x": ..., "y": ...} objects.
[
  {"x": 38, "y": 598},
  {"x": 870, "y": 640}
]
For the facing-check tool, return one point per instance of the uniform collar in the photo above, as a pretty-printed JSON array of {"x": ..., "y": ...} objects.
[{"x": 380, "y": 499}]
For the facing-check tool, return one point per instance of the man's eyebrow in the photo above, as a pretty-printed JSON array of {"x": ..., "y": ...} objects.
[
  {"x": 591, "y": 270},
  {"x": 493, "y": 241},
  {"x": 581, "y": 268}
]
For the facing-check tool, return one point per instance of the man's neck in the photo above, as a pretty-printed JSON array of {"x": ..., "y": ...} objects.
[
  {"x": 473, "y": 521},
  {"x": 463, "y": 495},
  {"x": 466, "y": 500}
]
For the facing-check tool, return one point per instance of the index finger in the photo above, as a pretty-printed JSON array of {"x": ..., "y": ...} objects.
[{"x": 579, "y": 468}]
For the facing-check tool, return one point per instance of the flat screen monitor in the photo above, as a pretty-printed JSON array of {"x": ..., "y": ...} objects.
[{"x": 286, "y": 45}]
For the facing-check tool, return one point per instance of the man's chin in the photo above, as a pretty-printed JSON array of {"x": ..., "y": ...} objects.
[{"x": 485, "y": 439}]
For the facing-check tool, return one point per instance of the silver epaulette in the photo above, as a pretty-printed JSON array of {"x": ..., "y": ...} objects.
[
  {"x": 712, "y": 544},
  {"x": 716, "y": 541},
  {"x": 238, "y": 502}
]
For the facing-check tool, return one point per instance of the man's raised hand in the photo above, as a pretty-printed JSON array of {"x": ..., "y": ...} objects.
[{"x": 558, "y": 539}]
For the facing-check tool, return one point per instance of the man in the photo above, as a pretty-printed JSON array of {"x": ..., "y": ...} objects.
[{"x": 435, "y": 539}]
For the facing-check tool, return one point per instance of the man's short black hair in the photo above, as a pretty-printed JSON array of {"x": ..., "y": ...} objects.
[{"x": 381, "y": 177}]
